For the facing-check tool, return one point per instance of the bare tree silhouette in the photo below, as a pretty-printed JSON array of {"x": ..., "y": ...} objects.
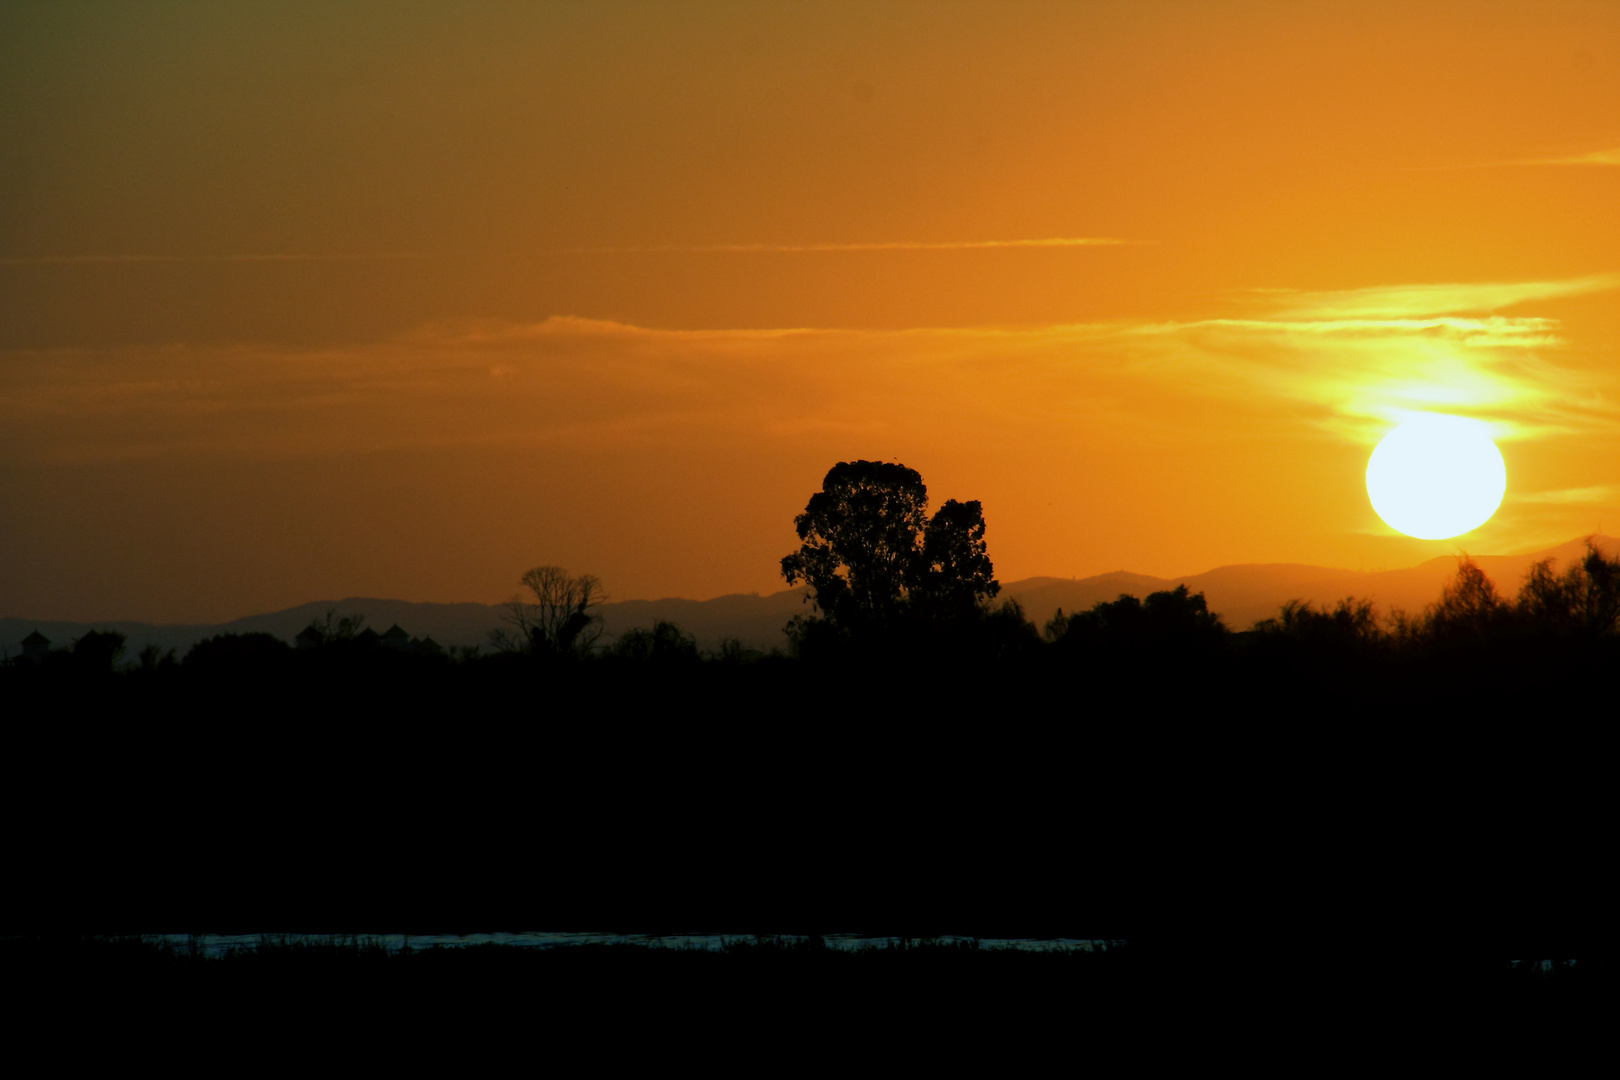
[
  {"x": 330, "y": 629},
  {"x": 555, "y": 617}
]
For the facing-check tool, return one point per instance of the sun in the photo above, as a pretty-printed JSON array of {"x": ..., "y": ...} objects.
[{"x": 1436, "y": 476}]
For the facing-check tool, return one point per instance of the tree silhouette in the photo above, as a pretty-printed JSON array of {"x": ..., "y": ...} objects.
[
  {"x": 861, "y": 535},
  {"x": 1584, "y": 599},
  {"x": 955, "y": 574},
  {"x": 665, "y": 645},
  {"x": 1352, "y": 621},
  {"x": 237, "y": 653},
  {"x": 98, "y": 651},
  {"x": 869, "y": 550},
  {"x": 1469, "y": 606},
  {"x": 558, "y": 620},
  {"x": 331, "y": 630},
  {"x": 1173, "y": 621}
]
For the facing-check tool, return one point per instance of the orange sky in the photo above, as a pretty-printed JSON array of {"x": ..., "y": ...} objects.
[{"x": 309, "y": 301}]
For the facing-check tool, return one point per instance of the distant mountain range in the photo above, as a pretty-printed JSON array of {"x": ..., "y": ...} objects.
[
  {"x": 1241, "y": 594},
  {"x": 1246, "y": 593}
]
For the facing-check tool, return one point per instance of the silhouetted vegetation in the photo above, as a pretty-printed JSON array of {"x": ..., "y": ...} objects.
[
  {"x": 899, "y": 590},
  {"x": 1174, "y": 625},
  {"x": 555, "y": 619},
  {"x": 664, "y": 645},
  {"x": 918, "y": 745},
  {"x": 872, "y": 556}
]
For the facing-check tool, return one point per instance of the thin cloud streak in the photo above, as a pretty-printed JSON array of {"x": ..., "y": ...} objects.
[
  {"x": 881, "y": 245},
  {"x": 1607, "y": 157},
  {"x": 592, "y": 382},
  {"x": 114, "y": 260},
  {"x": 1428, "y": 300},
  {"x": 1597, "y": 495},
  {"x": 675, "y": 249},
  {"x": 1596, "y": 157},
  {"x": 1360, "y": 376}
]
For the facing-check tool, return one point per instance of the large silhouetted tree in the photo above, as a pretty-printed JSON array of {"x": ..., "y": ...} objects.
[
  {"x": 860, "y": 536},
  {"x": 869, "y": 550}
]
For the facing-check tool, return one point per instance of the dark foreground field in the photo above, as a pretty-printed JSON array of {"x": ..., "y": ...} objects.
[
  {"x": 1105, "y": 1005},
  {"x": 1339, "y": 797},
  {"x": 1469, "y": 804}
]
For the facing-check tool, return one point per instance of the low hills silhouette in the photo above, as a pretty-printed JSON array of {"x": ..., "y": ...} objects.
[{"x": 1241, "y": 594}]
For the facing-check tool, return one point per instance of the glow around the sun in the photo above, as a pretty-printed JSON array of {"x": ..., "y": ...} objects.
[{"x": 1436, "y": 476}]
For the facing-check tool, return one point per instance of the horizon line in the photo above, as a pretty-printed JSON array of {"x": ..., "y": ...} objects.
[{"x": 762, "y": 595}]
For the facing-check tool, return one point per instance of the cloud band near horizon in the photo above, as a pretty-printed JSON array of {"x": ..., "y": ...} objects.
[
  {"x": 1147, "y": 382},
  {"x": 590, "y": 436}
]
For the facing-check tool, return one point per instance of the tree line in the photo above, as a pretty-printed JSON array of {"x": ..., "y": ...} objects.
[{"x": 888, "y": 579}]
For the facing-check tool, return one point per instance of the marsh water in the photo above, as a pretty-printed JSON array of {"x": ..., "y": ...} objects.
[{"x": 219, "y": 944}]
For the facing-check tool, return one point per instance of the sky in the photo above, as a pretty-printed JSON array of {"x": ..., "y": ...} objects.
[{"x": 307, "y": 301}]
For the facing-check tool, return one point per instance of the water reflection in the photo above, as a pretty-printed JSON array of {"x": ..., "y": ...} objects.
[{"x": 220, "y": 944}]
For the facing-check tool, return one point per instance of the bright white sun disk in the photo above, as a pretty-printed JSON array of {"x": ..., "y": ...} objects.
[{"x": 1436, "y": 476}]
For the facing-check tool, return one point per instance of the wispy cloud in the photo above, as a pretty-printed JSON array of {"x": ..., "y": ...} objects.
[
  {"x": 879, "y": 245},
  {"x": 1601, "y": 157},
  {"x": 1597, "y": 495},
  {"x": 1364, "y": 358},
  {"x": 1357, "y": 376},
  {"x": 274, "y": 257},
  {"x": 742, "y": 249},
  {"x": 1595, "y": 157},
  {"x": 1274, "y": 374},
  {"x": 1427, "y": 300}
]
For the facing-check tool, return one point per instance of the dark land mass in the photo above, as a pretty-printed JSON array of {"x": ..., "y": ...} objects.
[
  {"x": 755, "y": 991},
  {"x": 1139, "y": 771}
]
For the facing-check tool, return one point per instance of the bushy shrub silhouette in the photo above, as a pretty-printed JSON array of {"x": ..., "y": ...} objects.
[
  {"x": 97, "y": 652},
  {"x": 226, "y": 654},
  {"x": 665, "y": 645},
  {"x": 1174, "y": 623},
  {"x": 1302, "y": 632},
  {"x": 1352, "y": 621},
  {"x": 154, "y": 658},
  {"x": 1583, "y": 600},
  {"x": 1469, "y": 608}
]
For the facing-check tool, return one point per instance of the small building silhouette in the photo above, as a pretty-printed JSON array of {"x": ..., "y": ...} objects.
[
  {"x": 396, "y": 638},
  {"x": 309, "y": 638},
  {"x": 36, "y": 647}
]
